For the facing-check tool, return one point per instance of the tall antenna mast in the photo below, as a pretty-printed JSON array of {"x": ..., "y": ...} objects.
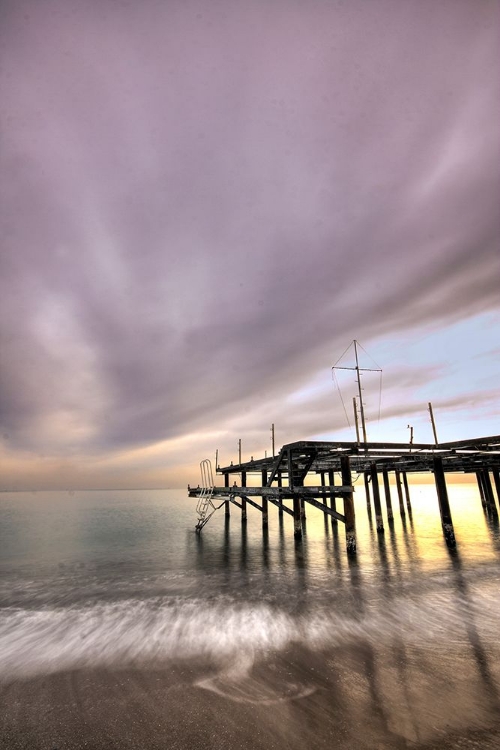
[
  {"x": 358, "y": 370},
  {"x": 361, "y": 407}
]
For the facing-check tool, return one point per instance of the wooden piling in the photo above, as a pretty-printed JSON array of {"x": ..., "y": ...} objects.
[
  {"x": 227, "y": 508},
  {"x": 297, "y": 525},
  {"x": 407, "y": 491},
  {"x": 265, "y": 503},
  {"x": 350, "y": 529},
  {"x": 243, "y": 499},
  {"x": 297, "y": 521},
  {"x": 366, "y": 475},
  {"x": 397, "y": 474},
  {"x": 302, "y": 509},
  {"x": 376, "y": 498},
  {"x": 333, "y": 499},
  {"x": 480, "y": 488},
  {"x": 488, "y": 491},
  {"x": 444, "y": 506},
  {"x": 496, "y": 477},
  {"x": 387, "y": 491},
  {"x": 280, "y": 484}
]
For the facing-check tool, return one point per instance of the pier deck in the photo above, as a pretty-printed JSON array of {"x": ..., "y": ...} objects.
[{"x": 289, "y": 476}]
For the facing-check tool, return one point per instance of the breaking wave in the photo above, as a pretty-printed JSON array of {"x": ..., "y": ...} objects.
[{"x": 226, "y": 633}]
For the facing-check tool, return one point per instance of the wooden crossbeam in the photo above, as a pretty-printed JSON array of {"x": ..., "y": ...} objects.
[{"x": 325, "y": 508}]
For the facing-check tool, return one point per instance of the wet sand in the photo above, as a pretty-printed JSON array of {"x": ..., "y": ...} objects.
[{"x": 356, "y": 697}]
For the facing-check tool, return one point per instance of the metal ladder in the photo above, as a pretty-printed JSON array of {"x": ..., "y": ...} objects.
[{"x": 205, "y": 507}]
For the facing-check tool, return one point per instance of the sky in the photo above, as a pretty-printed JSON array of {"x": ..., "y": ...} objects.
[{"x": 203, "y": 204}]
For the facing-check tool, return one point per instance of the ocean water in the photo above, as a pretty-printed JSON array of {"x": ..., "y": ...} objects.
[{"x": 405, "y": 638}]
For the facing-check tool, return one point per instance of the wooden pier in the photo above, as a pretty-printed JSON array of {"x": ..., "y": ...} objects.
[{"x": 305, "y": 472}]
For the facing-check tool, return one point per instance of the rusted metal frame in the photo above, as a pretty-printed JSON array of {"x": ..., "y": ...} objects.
[{"x": 321, "y": 506}]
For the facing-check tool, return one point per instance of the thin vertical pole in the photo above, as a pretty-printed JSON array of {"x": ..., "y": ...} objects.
[
  {"x": 243, "y": 499},
  {"x": 297, "y": 525},
  {"x": 433, "y": 423},
  {"x": 376, "y": 499},
  {"x": 387, "y": 491},
  {"x": 356, "y": 420},
  {"x": 488, "y": 491},
  {"x": 444, "y": 505},
  {"x": 333, "y": 499},
  {"x": 272, "y": 437},
  {"x": 361, "y": 407},
  {"x": 496, "y": 477},
  {"x": 400, "y": 493},
  {"x": 228, "y": 504},
  {"x": 350, "y": 528},
  {"x": 265, "y": 502},
  {"x": 239, "y": 451},
  {"x": 407, "y": 491},
  {"x": 480, "y": 488},
  {"x": 367, "y": 487}
]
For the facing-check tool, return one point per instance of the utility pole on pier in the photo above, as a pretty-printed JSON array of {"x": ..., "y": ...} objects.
[
  {"x": 433, "y": 423},
  {"x": 358, "y": 370}
]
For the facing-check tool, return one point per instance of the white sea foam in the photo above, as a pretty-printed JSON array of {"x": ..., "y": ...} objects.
[{"x": 225, "y": 632}]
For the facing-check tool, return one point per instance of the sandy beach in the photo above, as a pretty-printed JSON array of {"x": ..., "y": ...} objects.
[{"x": 354, "y": 698}]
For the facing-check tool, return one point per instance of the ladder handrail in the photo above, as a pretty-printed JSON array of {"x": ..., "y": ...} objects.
[{"x": 206, "y": 494}]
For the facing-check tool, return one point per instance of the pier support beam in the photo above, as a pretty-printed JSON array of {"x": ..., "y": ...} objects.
[
  {"x": 488, "y": 492},
  {"x": 243, "y": 499},
  {"x": 407, "y": 491},
  {"x": 397, "y": 474},
  {"x": 302, "y": 509},
  {"x": 333, "y": 499},
  {"x": 367, "y": 487},
  {"x": 444, "y": 506},
  {"x": 265, "y": 504},
  {"x": 376, "y": 499},
  {"x": 297, "y": 505},
  {"x": 496, "y": 477},
  {"x": 297, "y": 513},
  {"x": 480, "y": 488},
  {"x": 227, "y": 509},
  {"x": 350, "y": 528},
  {"x": 280, "y": 484},
  {"x": 387, "y": 491}
]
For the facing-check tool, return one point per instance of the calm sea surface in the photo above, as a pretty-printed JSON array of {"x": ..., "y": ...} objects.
[{"x": 119, "y": 580}]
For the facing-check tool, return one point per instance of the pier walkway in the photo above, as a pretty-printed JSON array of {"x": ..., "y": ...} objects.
[{"x": 305, "y": 472}]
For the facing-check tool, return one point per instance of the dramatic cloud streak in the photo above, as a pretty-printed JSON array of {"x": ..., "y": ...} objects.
[{"x": 202, "y": 203}]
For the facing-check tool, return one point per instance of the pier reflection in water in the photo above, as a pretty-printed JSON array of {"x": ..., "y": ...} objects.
[{"x": 291, "y": 638}]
